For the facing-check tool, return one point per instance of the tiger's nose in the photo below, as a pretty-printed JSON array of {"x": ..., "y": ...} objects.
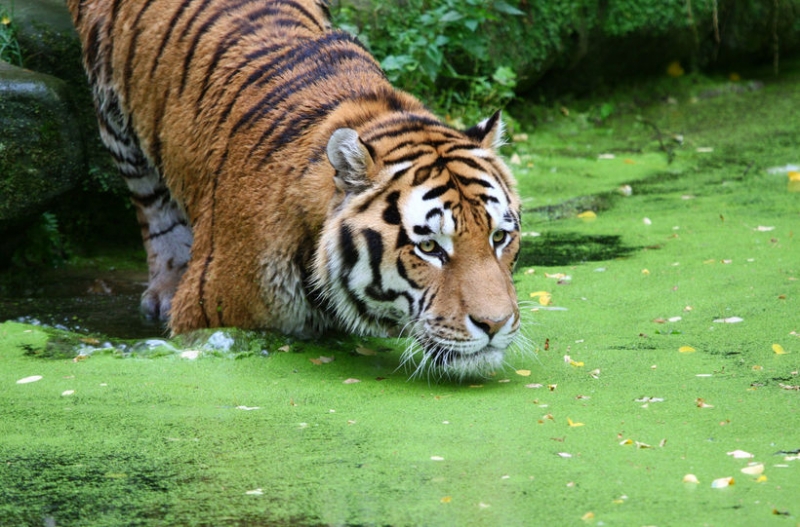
[{"x": 490, "y": 326}]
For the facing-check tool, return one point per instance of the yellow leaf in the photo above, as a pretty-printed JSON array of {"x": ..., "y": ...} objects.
[
  {"x": 675, "y": 69},
  {"x": 524, "y": 373},
  {"x": 761, "y": 479},
  {"x": 543, "y": 296},
  {"x": 588, "y": 215},
  {"x": 645, "y": 272},
  {"x": 446, "y": 499},
  {"x": 794, "y": 176},
  {"x": 588, "y": 516},
  {"x": 575, "y": 363},
  {"x": 686, "y": 349},
  {"x": 778, "y": 349},
  {"x": 572, "y": 423}
]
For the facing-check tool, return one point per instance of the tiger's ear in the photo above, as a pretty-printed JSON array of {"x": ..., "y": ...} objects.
[
  {"x": 489, "y": 132},
  {"x": 351, "y": 159}
]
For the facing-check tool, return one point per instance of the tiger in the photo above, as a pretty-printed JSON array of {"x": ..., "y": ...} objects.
[{"x": 282, "y": 183}]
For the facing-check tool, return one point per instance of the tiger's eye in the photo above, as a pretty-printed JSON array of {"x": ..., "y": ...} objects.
[
  {"x": 428, "y": 246},
  {"x": 498, "y": 237}
]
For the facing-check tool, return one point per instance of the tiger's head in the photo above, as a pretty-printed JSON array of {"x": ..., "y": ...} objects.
[{"x": 421, "y": 240}]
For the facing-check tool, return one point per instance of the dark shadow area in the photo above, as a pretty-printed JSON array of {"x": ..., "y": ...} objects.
[
  {"x": 81, "y": 300},
  {"x": 568, "y": 248}
]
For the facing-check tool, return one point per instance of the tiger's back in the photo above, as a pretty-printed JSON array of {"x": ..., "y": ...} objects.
[{"x": 251, "y": 136}]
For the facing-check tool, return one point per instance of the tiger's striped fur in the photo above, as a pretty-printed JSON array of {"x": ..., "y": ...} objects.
[{"x": 281, "y": 182}]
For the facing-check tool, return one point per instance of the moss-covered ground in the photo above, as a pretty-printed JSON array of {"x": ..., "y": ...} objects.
[{"x": 668, "y": 341}]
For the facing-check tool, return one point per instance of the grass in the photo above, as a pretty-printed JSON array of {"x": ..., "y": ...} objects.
[{"x": 603, "y": 437}]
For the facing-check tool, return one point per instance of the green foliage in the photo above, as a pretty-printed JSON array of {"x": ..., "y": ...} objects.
[
  {"x": 43, "y": 245},
  {"x": 9, "y": 47},
  {"x": 436, "y": 49}
]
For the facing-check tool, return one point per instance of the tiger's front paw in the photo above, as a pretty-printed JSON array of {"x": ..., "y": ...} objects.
[{"x": 157, "y": 302}]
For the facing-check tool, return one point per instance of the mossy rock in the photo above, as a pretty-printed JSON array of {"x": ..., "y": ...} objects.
[{"x": 41, "y": 152}]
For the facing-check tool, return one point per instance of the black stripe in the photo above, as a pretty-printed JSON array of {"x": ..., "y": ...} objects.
[
  {"x": 163, "y": 232},
  {"x": 148, "y": 199},
  {"x": 467, "y": 181},
  {"x": 214, "y": 17},
  {"x": 133, "y": 47},
  {"x": 168, "y": 34},
  {"x": 311, "y": 18},
  {"x": 306, "y": 51},
  {"x": 375, "y": 250},
  {"x": 438, "y": 191},
  {"x": 403, "y": 125},
  {"x": 401, "y": 270},
  {"x": 391, "y": 214}
]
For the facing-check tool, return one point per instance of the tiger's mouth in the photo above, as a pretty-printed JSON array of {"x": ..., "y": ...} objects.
[{"x": 448, "y": 362}]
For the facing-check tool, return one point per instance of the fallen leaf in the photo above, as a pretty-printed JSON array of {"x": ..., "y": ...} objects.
[
  {"x": 67, "y": 393},
  {"x": 645, "y": 272},
  {"x": 686, "y": 349},
  {"x": 778, "y": 349},
  {"x": 690, "y": 478},
  {"x": 762, "y": 228},
  {"x": 588, "y": 516},
  {"x": 28, "y": 380},
  {"x": 361, "y": 350},
  {"x": 446, "y": 499},
  {"x": 761, "y": 479},
  {"x": 754, "y": 469},
  {"x": 535, "y": 385},
  {"x": 564, "y": 454},
  {"x": 557, "y": 276},
  {"x": 437, "y": 458},
  {"x": 285, "y": 348},
  {"x": 255, "y": 492},
  {"x": 351, "y": 381},
  {"x": 701, "y": 403},
  {"x": 572, "y": 423},
  {"x": 721, "y": 483},
  {"x": 524, "y": 373},
  {"x": 322, "y": 360},
  {"x": 741, "y": 454},
  {"x": 729, "y": 320},
  {"x": 588, "y": 215},
  {"x": 543, "y": 296},
  {"x": 248, "y": 408}
]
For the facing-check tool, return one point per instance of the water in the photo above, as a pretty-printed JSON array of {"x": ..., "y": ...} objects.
[{"x": 81, "y": 300}]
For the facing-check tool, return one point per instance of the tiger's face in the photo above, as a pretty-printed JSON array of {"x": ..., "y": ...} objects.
[{"x": 425, "y": 246}]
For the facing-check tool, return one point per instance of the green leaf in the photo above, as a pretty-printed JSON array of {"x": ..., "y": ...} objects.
[
  {"x": 451, "y": 16},
  {"x": 507, "y": 8}
]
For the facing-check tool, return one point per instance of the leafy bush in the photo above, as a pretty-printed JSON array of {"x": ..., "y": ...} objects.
[
  {"x": 9, "y": 47},
  {"x": 479, "y": 54},
  {"x": 436, "y": 49}
]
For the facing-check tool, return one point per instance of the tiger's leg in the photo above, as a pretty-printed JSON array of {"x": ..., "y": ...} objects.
[{"x": 165, "y": 230}]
